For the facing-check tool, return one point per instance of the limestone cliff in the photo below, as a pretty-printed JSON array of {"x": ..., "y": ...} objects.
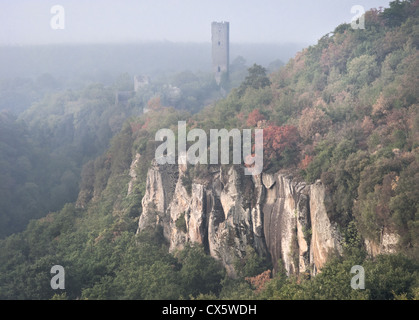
[
  {"x": 388, "y": 243},
  {"x": 277, "y": 214}
]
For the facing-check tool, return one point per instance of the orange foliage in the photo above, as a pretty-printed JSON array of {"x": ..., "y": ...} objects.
[
  {"x": 135, "y": 127},
  {"x": 306, "y": 161},
  {"x": 337, "y": 53},
  {"x": 380, "y": 107},
  {"x": 154, "y": 103},
  {"x": 367, "y": 125},
  {"x": 277, "y": 139},
  {"x": 259, "y": 281},
  {"x": 147, "y": 122},
  {"x": 374, "y": 19},
  {"x": 254, "y": 117},
  {"x": 313, "y": 121},
  {"x": 240, "y": 116}
]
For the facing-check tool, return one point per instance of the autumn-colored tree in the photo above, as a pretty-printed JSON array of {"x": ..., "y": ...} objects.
[
  {"x": 380, "y": 107},
  {"x": 259, "y": 281},
  {"x": 306, "y": 161},
  {"x": 146, "y": 124},
  {"x": 154, "y": 103},
  {"x": 374, "y": 18},
  {"x": 254, "y": 117},
  {"x": 279, "y": 145},
  {"x": 337, "y": 52},
  {"x": 135, "y": 126},
  {"x": 313, "y": 121},
  {"x": 367, "y": 125}
]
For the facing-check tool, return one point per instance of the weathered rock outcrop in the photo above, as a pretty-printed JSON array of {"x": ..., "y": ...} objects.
[
  {"x": 278, "y": 215},
  {"x": 160, "y": 187},
  {"x": 325, "y": 237},
  {"x": 286, "y": 216},
  {"x": 387, "y": 243},
  {"x": 133, "y": 172}
]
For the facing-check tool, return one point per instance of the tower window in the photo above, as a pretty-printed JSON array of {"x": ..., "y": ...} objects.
[
  {"x": 219, "y": 43},
  {"x": 219, "y": 69}
]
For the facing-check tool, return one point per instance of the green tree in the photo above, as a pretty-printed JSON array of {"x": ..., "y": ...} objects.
[
  {"x": 397, "y": 13},
  {"x": 362, "y": 71},
  {"x": 200, "y": 273},
  {"x": 256, "y": 79}
]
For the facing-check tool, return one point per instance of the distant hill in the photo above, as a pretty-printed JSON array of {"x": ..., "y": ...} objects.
[
  {"x": 30, "y": 72},
  {"x": 102, "y": 62}
]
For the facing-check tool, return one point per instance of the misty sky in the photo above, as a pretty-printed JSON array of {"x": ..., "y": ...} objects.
[{"x": 90, "y": 21}]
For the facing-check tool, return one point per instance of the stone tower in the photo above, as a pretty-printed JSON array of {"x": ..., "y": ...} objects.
[{"x": 220, "y": 38}]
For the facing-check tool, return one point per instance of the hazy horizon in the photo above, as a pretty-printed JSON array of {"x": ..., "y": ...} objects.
[{"x": 27, "y": 22}]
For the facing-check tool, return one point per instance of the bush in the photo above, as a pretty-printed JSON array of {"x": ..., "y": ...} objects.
[{"x": 181, "y": 223}]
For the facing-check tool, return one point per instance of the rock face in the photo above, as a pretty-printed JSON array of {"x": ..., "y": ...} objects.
[
  {"x": 325, "y": 238},
  {"x": 133, "y": 173},
  {"x": 388, "y": 243},
  {"x": 286, "y": 215},
  {"x": 276, "y": 214},
  {"x": 160, "y": 187}
]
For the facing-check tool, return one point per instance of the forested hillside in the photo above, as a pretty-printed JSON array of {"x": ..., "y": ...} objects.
[
  {"x": 44, "y": 148},
  {"x": 344, "y": 112}
]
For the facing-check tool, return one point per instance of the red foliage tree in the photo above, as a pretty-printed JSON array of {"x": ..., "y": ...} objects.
[
  {"x": 254, "y": 117},
  {"x": 306, "y": 161},
  {"x": 154, "y": 103},
  {"x": 259, "y": 281},
  {"x": 276, "y": 140}
]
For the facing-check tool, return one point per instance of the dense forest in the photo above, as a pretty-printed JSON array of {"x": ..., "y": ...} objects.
[{"x": 343, "y": 111}]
